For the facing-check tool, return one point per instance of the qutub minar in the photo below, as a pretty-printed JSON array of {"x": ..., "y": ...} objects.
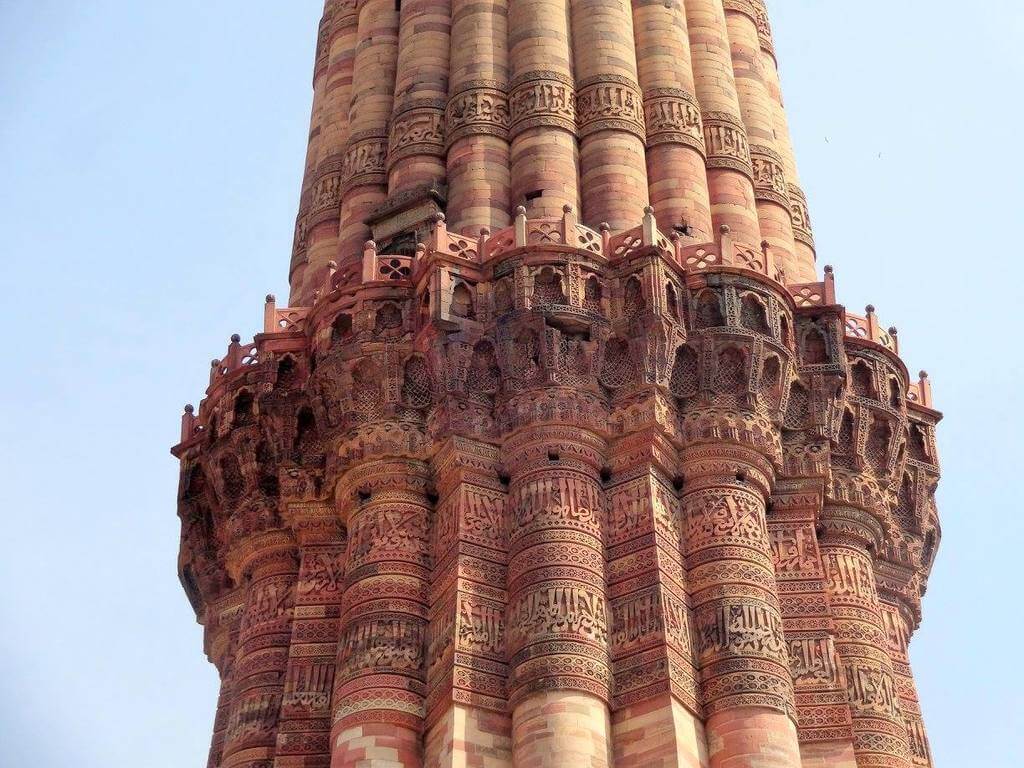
[{"x": 563, "y": 453}]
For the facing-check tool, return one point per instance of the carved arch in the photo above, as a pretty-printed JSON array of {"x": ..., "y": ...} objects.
[
  {"x": 484, "y": 375},
  {"x": 754, "y": 314},
  {"x": 814, "y": 346},
  {"x": 287, "y": 372},
  {"x": 895, "y": 393},
  {"x": 388, "y": 320},
  {"x": 462, "y": 302},
  {"x": 709, "y": 310},
  {"x": 547, "y": 287},
  {"x": 243, "y": 412},
  {"x": 341, "y": 328},
  {"x": 633, "y": 302},
  {"x": 785, "y": 332},
  {"x": 862, "y": 379},
  {"x": 592, "y": 294}
]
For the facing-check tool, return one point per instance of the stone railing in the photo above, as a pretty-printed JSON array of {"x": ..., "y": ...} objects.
[
  {"x": 287, "y": 320},
  {"x": 563, "y": 231},
  {"x": 821, "y": 294},
  {"x": 239, "y": 356},
  {"x": 869, "y": 329},
  {"x": 920, "y": 392}
]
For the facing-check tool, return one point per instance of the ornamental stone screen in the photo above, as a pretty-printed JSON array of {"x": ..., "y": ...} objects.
[{"x": 563, "y": 452}]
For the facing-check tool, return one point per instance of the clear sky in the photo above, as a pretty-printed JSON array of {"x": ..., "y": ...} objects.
[{"x": 150, "y": 160}]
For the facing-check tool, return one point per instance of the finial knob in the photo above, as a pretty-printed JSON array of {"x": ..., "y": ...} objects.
[
  {"x": 270, "y": 298},
  {"x": 214, "y": 363},
  {"x": 235, "y": 338},
  {"x": 893, "y": 331},
  {"x": 332, "y": 265},
  {"x": 520, "y": 210},
  {"x": 725, "y": 229},
  {"x": 566, "y": 208},
  {"x": 485, "y": 231},
  {"x": 190, "y": 409},
  {"x": 604, "y": 226},
  {"x": 439, "y": 217},
  {"x": 923, "y": 374},
  {"x": 649, "y": 210},
  {"x": 828, "y": 269},
  {"x": 870, "y": 309},
  {"x": 370, "y": 244},
  {"x": 765, "y": 244}
]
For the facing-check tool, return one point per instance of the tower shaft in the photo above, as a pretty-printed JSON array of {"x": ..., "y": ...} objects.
[{"x": 562, "y": 453}]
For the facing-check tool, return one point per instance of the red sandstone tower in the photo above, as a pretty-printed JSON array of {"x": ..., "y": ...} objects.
[{"x": 563, "y": 454}]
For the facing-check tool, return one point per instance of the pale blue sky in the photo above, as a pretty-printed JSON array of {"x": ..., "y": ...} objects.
[{"x": 150, "y": 159}]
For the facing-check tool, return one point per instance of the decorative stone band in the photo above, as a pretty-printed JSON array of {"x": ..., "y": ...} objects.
[
  {"x": 365, "y": 160},
  {"x": 480, "y": 107},
  {"x": 542, "y": 98},
  {"x": 801, "y": 216},
  {"x": 764, "y": 27},
  {"x": 726, "y": 143},
  {"x": 673, "y": 117},
  {"x": 417, "y": 128},
  {"x": 299, "y": 241},
  {"x": 323, "y": 47},
  {"x": 325, "y": 197},
  {"x": 609, "y": 103},
  {"x": 746, "y": 7},
  {"x": 346, "y": 13},
  {"x": 769, "y": 176},
  {"x": 224, "y": 618},
  {"x": 260, "y": 548}
]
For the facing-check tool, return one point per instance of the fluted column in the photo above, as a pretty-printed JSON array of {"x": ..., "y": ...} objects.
[
  {"x": 656, "y": 718},
  {"x": 676, "y": 176},
  {"x": 323, "y": 221},
  {"x": 477, "y": 117},
  {"x": 380, "y": 679},
  {"x": 803, "y": 269},
  {"x": 770, "y": 190},
  {"x": 297, "y": 266},
  {"x": 898, "y": 621},
  {"x": 416, "y": 156},
  {"x": 609, "y": 111},
  {"x": 730, "y": 176},
  {"x": 364, "y": 170},
  {"x": 879, "y": 734},
  {"x": 747, "y": 688},
  {"x": 542, "y": 106},
  {"x": 267, "y": 563},
  {"x": 223, "y": 621},
  {"x": 467, "y": 715},
  {"x": 303, "y": 738},
  {"x": 557, "y": 633},
  {"x": 825, "y": 731}
]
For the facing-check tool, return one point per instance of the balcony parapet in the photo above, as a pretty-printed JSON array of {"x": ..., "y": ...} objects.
[{"x": 288, "y": 327}]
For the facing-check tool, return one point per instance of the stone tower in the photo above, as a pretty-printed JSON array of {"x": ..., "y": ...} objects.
[{"x": 562, "y": 453}]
